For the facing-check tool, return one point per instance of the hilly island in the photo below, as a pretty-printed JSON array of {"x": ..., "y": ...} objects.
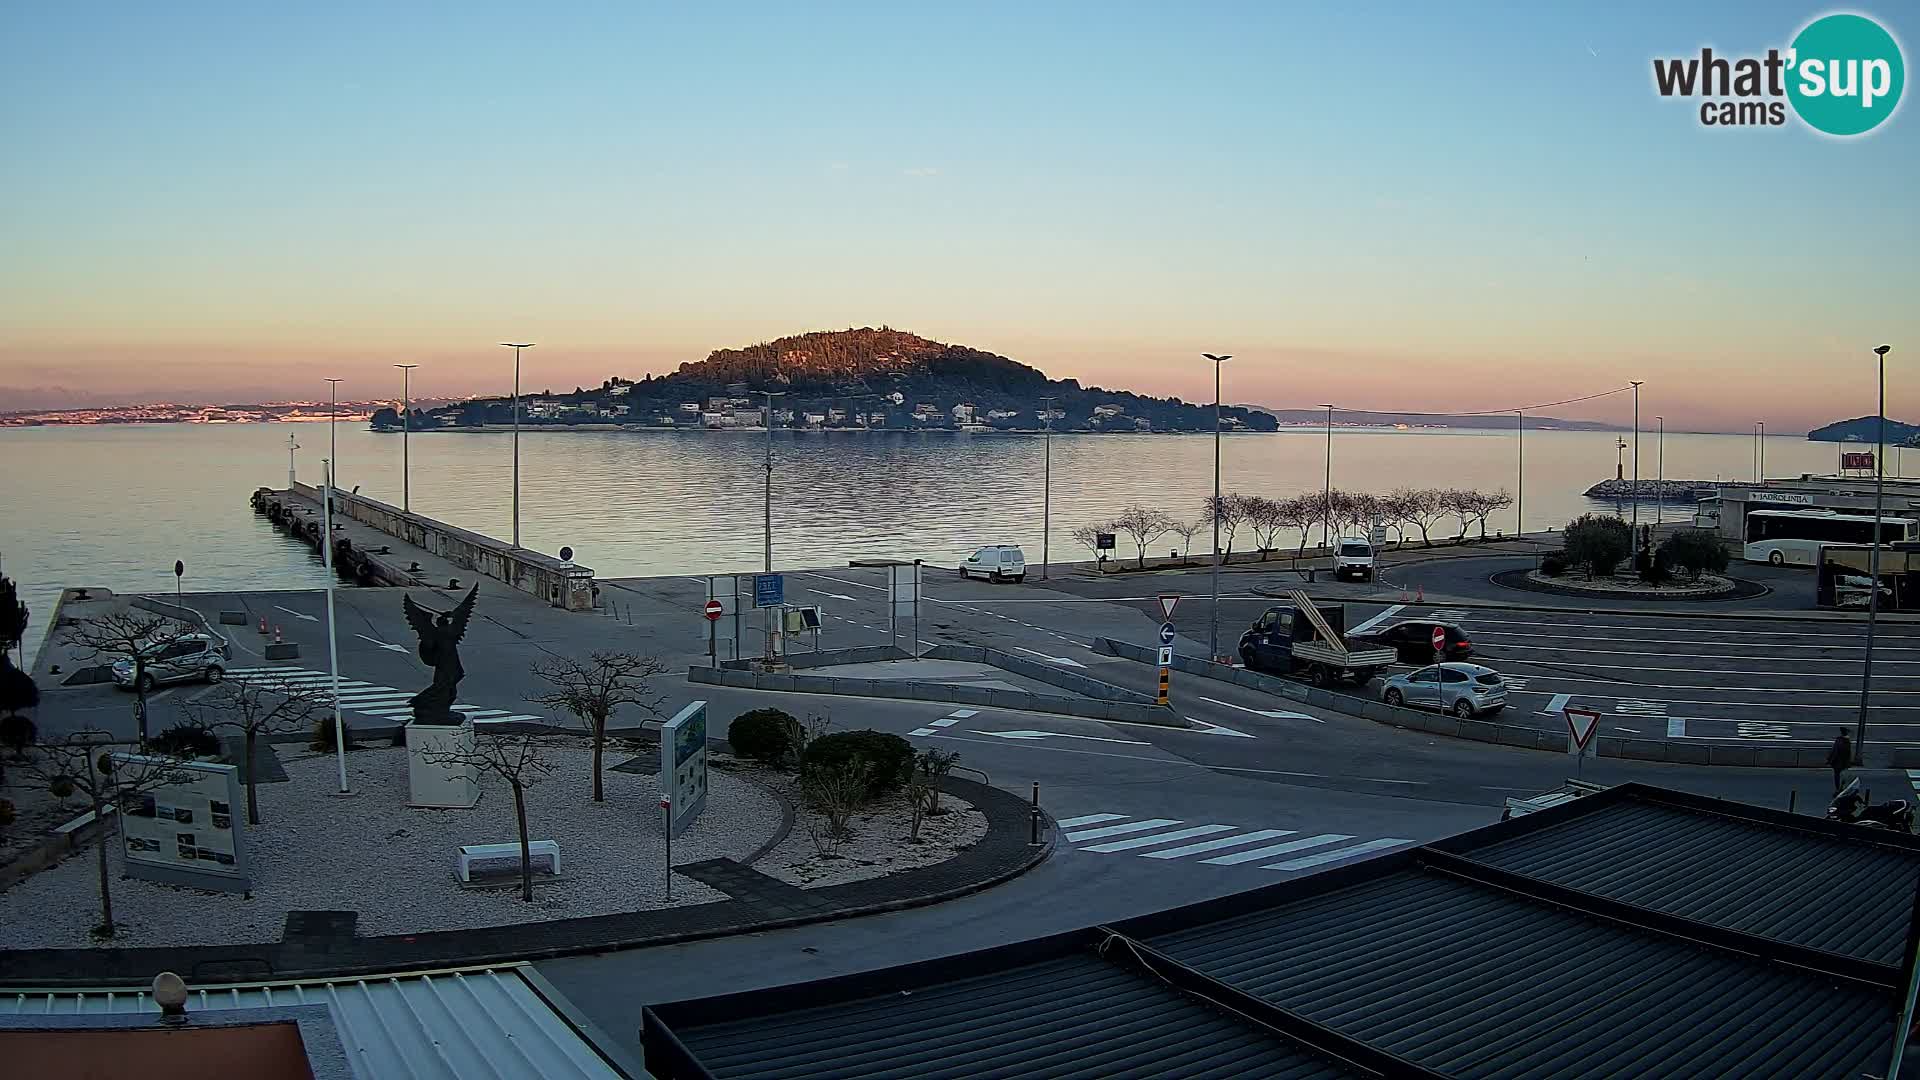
[{"x": 858, "y": 379}]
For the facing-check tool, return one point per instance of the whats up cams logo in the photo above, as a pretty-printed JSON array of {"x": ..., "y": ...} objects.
[{"x": 1842, "y": 76}]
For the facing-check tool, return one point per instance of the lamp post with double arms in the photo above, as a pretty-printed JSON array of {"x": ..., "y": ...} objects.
[
  {"x": 406, "y": 429},
  {"x": 516, "y": 433},
  {"x": 1873, "y": 556},
  {"x": 1213, "y": 613}
]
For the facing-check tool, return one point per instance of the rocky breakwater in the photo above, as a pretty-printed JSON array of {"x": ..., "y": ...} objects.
[{"x": 1673, "y": 491}]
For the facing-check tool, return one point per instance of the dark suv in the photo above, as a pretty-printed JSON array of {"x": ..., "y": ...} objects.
[{"x": 1413, "y": 640}]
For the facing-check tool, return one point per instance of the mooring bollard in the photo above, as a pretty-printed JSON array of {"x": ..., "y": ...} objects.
[
  {"x": 1033, "y": 817},
  {"x": 1793, "y": 795}
]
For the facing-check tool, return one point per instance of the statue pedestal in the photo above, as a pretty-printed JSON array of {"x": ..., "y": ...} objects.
[{"x": 452, "y": 786}]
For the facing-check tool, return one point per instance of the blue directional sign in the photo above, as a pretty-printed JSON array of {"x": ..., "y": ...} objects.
[
  {"x": 769, "y": 590},
  {"x": 1166, "y": 633}
]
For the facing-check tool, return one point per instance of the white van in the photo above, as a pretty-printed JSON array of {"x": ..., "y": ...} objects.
[
  {"x": 1353, "y": 557},
  {"x": 996, "y": 562}
]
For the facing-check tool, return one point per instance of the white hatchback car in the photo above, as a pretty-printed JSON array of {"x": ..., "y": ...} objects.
[
  {"x": 187, "y": 658},
  {"x": 996, "y": 562}
]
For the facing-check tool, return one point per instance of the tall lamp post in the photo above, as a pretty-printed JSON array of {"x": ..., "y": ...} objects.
[
  {"x": 1213, "y": 613},
  {"x": 333, "y": 638},
  {"x": 1760, "y": 443},
  {"x": 406, "y": 428},
  {"x": 333, "y": 439},
  {"x": 1660, "y": 476},
  {"x": 1326, "y": 490},
  {"x": 773, "y": 613},
  {"x": 1520, "y": 482},
  {"x": 1873, "y": 556},
  {"x": 1046, "y": 496},
  {"x": 1636, "y": 461},
  {"x": 516, "y": 434}
]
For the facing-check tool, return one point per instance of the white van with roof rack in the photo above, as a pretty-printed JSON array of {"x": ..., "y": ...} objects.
[
  {"x": 1353, "y": 557},
  {"x": 996, "y": 562}
]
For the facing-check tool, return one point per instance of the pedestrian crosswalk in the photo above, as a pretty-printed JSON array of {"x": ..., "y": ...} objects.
[
  {"x": 1215, "y": 844},
  {"x": 386, "y": 702},
  {"x": 1913, "y": 779}
]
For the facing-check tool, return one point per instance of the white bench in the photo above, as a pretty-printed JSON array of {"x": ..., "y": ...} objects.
[{"x": 501, "y": 860}]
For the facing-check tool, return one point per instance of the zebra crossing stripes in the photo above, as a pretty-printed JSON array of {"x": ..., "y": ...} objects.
[
  {"x": 1448, "y": 615},
  {"x": 386, "y": 702},
  {"x": 946, "y": 721},
  {"x": 1639, "y": 707},
  {"x": 1913, "y": 778},
  {"x": 1222, "y": 845}
]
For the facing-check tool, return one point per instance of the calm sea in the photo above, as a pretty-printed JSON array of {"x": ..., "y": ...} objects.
[{"x": 115, "y": 506}]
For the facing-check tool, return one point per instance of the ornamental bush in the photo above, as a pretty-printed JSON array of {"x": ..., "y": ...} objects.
[
  {"x": 187, "y": 741},
  {"x": 1598, "y": 543},
  {"x": 1696, "y": 551},
  {"x": 763, "y": 735},
  {"x": 1553, "y": 565},
  {"x": 888, "y": 757}
]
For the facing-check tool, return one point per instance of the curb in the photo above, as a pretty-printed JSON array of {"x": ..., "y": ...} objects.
[
  {"x": 1737, "y": 589},
  {"x": 1565, "y": 609},
  {"x": 1007, "y": 825},
  {"x": 1489, "y": 731}
]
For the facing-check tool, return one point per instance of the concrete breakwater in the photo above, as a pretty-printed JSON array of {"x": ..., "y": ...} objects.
[
  {"x": 1675, "y": 491},
  {"x": 297, "y": 510}
]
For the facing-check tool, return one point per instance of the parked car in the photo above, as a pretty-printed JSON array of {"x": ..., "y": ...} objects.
[
  {"x": 1413, "y": 640},
  {"x": 1461, "y": 689},
  {"x": 1353, "y": 558},
  {"x": 996, "y": 562},
  {"x": 188, "y": 658}
]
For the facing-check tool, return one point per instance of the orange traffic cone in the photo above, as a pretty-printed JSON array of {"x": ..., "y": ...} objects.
[
  {"x": 263, "y": 626},
  {"x": 276, "y": 634},
  {"x": 1422, "y": 598}
]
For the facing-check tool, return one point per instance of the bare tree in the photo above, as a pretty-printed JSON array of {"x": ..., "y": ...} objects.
[
  {"x": 1302, "y": 512},
  {"x": 82, "y": 764},
  {"x": 1186, "y": 531},
  {"x": 1144, "y": 525},
  {"x": 127, "y": 634},
  {"x": 1264, "y": 515},
  {"x": 1393, "y": 512},
  {"x": 1088, "y": 536},
  {"x": 836, "y": 791},
  {"x": 1488, "y": 503},
  {"x": 1421, "y": 507},
  {"x": 1461, "y": 505},
  {"x": 520, "y": 760},
  {"x": 1230, "y": 512},
  {"x": 256, "y": 713},
  {"x": 594, "y": 690}
]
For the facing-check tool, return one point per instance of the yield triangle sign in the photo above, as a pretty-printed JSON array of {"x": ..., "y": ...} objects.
[
  {"x": 1581, "y": 726},
  {"x": 1168, "y": 601}
]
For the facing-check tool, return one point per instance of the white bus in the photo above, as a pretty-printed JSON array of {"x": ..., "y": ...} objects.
[{"x": 1793, "y": 537}]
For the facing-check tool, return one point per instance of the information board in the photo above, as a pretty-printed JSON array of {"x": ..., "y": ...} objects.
[
  {"x": 683, "y": 766},
  {"x": 191, "y": 831}
]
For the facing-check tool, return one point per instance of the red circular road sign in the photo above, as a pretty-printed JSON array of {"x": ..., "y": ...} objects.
[
  {"x": 713, "y": 610},
  {"x": 1439, "y": 639}
]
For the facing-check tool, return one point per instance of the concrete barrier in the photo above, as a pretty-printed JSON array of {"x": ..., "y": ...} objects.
[
  {"x": 564, "y": 585},
  {"x": 284, "y": 650}
]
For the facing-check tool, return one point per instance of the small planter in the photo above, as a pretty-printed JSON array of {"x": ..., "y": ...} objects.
[{"x": 444, "y": 785}]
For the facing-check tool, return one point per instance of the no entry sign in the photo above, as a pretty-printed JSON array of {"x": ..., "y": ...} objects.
[
  {"x": 714, "y": 610},
  {"x": 1439, "y": 640}
]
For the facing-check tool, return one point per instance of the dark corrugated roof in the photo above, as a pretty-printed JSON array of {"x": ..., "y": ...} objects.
[
  {"x": 1633, "y": 933},
  {"x": 1474, "y": 982},
  {"x": 1787, "y": 884},
  {"x": 1072, "y": 1016}
]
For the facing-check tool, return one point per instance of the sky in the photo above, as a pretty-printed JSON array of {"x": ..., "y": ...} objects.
[{"x": 1391, "y": 206}]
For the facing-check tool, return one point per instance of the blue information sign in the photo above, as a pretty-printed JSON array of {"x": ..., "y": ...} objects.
[
  {"x": 769, "y": 590},
  {"x": 1166, "y": 633}
]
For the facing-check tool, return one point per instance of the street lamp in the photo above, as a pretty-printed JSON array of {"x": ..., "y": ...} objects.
[
  {"x": 1520, "y": 483},
  {"x": 773, "y": 613},
  {"x": 1213, "y": 614},
  {"x": 1636, "y": 461},
  {"x": 1873, "y": 556},
  {"x": 333, "y": 638},
  {"x": 1046, "y": 497},
  {"x": 1660, "y": 481},
  {"x": 1761, "y": 442},
  {"x": 333, "y": 410},
  {"x": 516, "y": 435},
  {"x": 1326, "y": 490},
  {"x": 406, "y": 428}
]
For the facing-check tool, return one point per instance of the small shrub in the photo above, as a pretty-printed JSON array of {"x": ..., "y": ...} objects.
[
  {"x": 764, "y": 735},
  {"x": 323, "y": 734},
  {"x": 837, "y": 790},
  {"x": 1655, "y": 570},
  {"x": 1696, "y": 551},
  {"x": 888, "y": 757},
  {"x": 1599, "y": 543},
  {"x": 17, "y": 733},
  {"x": 187, "y": 741},
  {"x": 61, "y": 787},
  {"x": 1554, "y": 565}
]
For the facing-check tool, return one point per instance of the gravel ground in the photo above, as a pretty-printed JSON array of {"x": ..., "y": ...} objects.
[
  {"x": 36, "y": 812},
  {"x": 879, "y": 844},
  {"x": 372, "y": 853}
]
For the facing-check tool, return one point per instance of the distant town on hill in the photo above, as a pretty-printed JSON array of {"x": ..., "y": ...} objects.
[{"x": 859, "y": 379}]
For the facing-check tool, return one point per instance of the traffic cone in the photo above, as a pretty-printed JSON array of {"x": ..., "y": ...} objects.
[
  {"x": 276, "y": 634},
  {"x": 1422, "y": 597},
  {"x": 263, "y": 626}
]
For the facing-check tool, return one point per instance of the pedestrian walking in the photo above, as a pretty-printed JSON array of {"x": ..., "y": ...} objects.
[{"x": 1840, "y": 757}]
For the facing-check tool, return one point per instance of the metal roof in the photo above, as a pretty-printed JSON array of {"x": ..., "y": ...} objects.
[
  {"x": 481, "y": 1023},
  {"x": 1632, "y": 933}
]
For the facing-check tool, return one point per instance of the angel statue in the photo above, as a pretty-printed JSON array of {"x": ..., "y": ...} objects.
[{"x": 440, "y": 634}]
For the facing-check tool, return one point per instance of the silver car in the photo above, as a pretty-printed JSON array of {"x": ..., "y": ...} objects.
[
  {"x": 1461, "y": 689},
  {"x": 187, "y": 658}
]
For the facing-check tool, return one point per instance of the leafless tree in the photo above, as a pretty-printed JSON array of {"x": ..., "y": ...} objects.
[
  {"x": 519, "y": 759},
  {"x": 255, "y": 712},
  {"x": 1144, "y": 525},
  {"x": 1422, "y": 508},
  {"x": 1264, "y": 515},
  {"x": 1302, "y": 512},
  {"x": 82, "y": 764},
  {"x": 1088, "y": 536},
  {"x": 1230, "y": 512},
  {"x": 800, "y": 735},
  {"x": 1485, "y": 504},
  {"x": 1186, "y": 531},
  {"x": 129, "y": 633},
  {"x": 595, "y": 688},
  {"x": 1461, "y": 505},
  {"x": 836, "y": 791}
]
